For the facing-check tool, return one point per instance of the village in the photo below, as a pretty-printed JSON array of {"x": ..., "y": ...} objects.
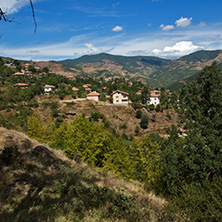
[{"x": 86, "y": 90}]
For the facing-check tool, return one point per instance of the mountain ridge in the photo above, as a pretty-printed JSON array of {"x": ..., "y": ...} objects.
[{"x": 155, "y": 71}]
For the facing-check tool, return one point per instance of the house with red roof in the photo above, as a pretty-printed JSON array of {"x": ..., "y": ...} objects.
[
  {"x": 74, "y": 89},
  {"x": 49, "y": 88},
  {"x": 154, "y": 97},
  {"x": 93, "y": 96},
  {"x": 21, "y": 85}
]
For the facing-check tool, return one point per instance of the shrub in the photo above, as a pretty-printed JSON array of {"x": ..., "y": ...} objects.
[
  {"x": 139, "y": 113},
  {"x": 153, "y": 117},
  {"x": 144, "y": 121}
]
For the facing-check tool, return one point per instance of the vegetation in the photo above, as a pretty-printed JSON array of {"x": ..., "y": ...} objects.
[{"x": 185, "y": 167}]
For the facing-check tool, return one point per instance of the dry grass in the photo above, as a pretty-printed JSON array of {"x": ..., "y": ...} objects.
[{"x": 39, "y": 187}]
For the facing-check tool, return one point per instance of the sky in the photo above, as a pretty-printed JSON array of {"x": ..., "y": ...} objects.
[{"x": 72, "y": 28}]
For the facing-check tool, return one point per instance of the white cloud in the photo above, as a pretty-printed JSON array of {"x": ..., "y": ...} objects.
[
  {"x": 161, "y": 44},
  {"x": 117, "y": 28},
  {"x": 183, "y": 22},
  {"x": 92, "y": 49},
  {"x": 166, "y": 27},
  {"x": 12, "y": 6},
  {"x": 179, "y": 49}
]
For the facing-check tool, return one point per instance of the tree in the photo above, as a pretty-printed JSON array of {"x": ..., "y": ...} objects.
[
  {"x": 139, "y": 113},
  {"x": 144, "y": 121},
  {"x": 198, "y": 156}
]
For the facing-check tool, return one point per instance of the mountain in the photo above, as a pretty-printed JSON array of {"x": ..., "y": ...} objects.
[
  {"x": 151, "y": 70},
  {"x": 155, "y": 71}
]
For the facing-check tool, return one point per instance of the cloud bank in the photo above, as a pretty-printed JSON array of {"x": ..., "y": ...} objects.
[{"x": 179, "y": 49}]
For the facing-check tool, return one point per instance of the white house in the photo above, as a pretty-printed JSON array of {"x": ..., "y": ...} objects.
[
  {"x": 154, "y": 97},
  {"x": 93, "y": 96},
  {"x": 49, "y": 88},
  {"x": 120, "y": 98}
]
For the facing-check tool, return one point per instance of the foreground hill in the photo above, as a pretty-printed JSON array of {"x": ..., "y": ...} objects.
[
  {"x": 41, "y": 184},
  {"x": 153, "y": 70}
]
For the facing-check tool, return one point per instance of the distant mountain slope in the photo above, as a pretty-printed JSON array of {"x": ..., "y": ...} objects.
[
  {"x": 201, "y": 56},
  {"x": 153, "y": 70}
]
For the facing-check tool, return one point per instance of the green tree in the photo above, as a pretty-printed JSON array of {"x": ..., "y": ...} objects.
[
  {"x": 144, "y": 121},
  {"x": 198, "y": 156}
]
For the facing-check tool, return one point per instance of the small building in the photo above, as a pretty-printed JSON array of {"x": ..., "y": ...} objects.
[
  {"x": 154, "y": 97},
  {"x": 93, "y": 96},
  {"x": 49, "y": 88},
  {"x": 74, "y": 89},
  {"x": 72, "y": 78},
  {"x": 88, "y": 89},
  {"x": 21, "y": 85},
  {"x": 18, "y": 74},
  {"x": 86, "y": 85},
  {"x": 120, "y": 98}
]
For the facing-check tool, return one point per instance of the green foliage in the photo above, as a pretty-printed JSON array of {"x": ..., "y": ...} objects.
[
  {"x": 197, "y": 157},
  {"x": 137, "y": 105},
  {"x": 198, "y": 203},
  {"x": 139, "y": 113},
  {"x": 144, "y": 121},
  {"x": 137, "y": 129},
  {"x": 153, "y": 119},
  {"x": 39, "y": 130},
  {"x": 146, "y": 156}
]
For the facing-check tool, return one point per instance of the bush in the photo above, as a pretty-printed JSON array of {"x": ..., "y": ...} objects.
[
  {"x": 198, "y": 202},
  {"x": 139, "y": 113},
  {"x": 137, "y": 105},
  {"x": 144, "y": 121},
  {"x": 153, "y": 117}
]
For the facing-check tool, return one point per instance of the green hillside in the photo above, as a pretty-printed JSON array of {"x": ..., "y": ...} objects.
[
  {"x": 201, "y": 56},
  {"x": 155, "y": 71}
]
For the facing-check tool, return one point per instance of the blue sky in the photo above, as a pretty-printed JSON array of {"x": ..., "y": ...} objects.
[{"x": 72, "y": 28}]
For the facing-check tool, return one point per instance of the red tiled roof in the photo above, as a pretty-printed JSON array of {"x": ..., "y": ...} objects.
[
  {"x": 94, "y": 93},
  {"x": 21, "y": 84},
  {"x": 154, "y": 95},
  {"x": 18, "y": 74},
  {"x": 75, "y": 89},
  {"x": 49, "y": 86},
  {"x": 118, "y": 91}
]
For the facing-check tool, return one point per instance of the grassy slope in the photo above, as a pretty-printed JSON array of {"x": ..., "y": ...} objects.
[{"x": 46, "y": 186}]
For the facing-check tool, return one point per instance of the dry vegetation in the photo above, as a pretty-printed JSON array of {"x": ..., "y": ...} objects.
[
  {"x": 41, "y": 184},
  {"x": 122, "y": 118}
]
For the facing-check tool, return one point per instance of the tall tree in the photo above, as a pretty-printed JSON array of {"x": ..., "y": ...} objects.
[{"x": 198, "y": 156}]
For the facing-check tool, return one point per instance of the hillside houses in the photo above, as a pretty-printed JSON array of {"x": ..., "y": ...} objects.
[
  {"x": 120, "y": 98},
  {"x": 93, "y": 96},
  {"x": 21, "y": 85},
  {"x": 49, "y": 88},
  {"x": 154, "y": 97}
]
